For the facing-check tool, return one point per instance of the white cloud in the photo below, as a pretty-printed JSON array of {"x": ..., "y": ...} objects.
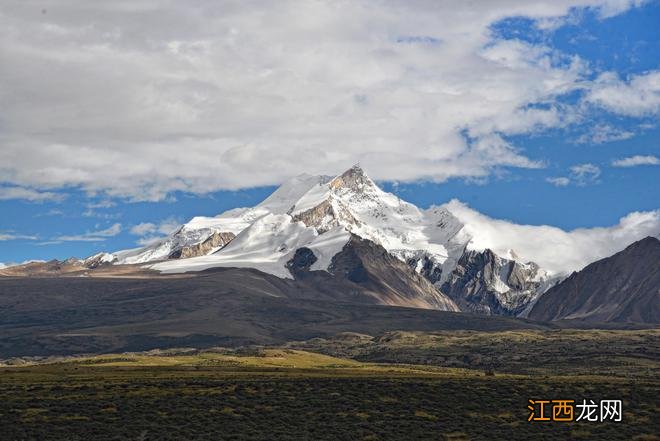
[
  {"x": 165, "y": 226},
  {"x": 157, "y": 97},
  {"x": 639, "y": 96},
  {"x": 143, "y": 229},
  {"x": 603, "y": 133},
  {"x": 102, "y": 204},
  {"x": 580, "y": 174},
  {"x": 7, "y": 193},
  {"x": 552, "y": 248},
  {"x": 636, "y": 160},
  {"x": 107, "y": 216},
  {"x": 51, "y": 212},
  {"x": 168, "y": 226},
  {"x": 91, "y": 236},
  {"x": 151, "y": 233},
  {"x": 12, "y": 236},
  {"x": 583, "y": 174},
  {"x": 560, "y": 181},
  {"x": 148, "y": 240}
]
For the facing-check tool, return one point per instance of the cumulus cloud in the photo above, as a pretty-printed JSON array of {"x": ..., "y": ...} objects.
[
  {"x": 162, "y": 96},
  {"x": 552, "y": 248},
  {"x": 638, "y": 96},
  {"x": 91, "y": 236},
  {"x": 636, "y": 160},
  {"x": 7, "y": 193}
]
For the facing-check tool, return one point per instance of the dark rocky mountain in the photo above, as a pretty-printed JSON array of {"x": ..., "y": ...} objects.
[
  {"x": 485, "y": 283},
  {"x": 622, "y": 288},
  {"x": 368, "y": 268},
  {"x": 219, "y": 307}
]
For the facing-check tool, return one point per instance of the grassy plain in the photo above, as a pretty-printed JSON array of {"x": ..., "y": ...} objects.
[{"x": 292, "y": 394}]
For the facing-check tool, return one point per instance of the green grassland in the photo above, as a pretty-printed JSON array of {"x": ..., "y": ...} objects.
[
  {"x": 292, "y": 394},
  {"x": 611, "y": 353}
]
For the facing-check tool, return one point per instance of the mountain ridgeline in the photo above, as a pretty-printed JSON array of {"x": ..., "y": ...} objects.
[
  {"x": 622, "y": 288},
  {"x": 346, "y": 238}
]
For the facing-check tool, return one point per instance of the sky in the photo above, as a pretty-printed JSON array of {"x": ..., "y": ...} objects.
[{"x": 121, "y": 120}]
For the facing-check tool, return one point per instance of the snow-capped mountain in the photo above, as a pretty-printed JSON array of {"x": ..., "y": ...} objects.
[
  {"x": 484, "y": 265},
  {"x": 206, "y": 235}
]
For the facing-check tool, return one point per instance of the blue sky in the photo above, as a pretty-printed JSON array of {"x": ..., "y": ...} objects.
[{"x": 568, "y": 175}]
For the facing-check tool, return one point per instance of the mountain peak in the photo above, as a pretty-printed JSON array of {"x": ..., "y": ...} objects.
[{"x": 354, "y": 178}]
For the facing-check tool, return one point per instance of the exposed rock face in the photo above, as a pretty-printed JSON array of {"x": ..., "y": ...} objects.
[
  {"x": 426, "y": 265},
  {"x": 216, "y": 240},
  {"x": 485, "y": 283},
  {"x": 365, "y": 272},
  {"x": 353, "y": 178},
  {"x": 301, "y": 262},
  {"x": 326, "y": 215},
  {"x": 387, "y": 278},
  {"x": 624, "y": 287}
]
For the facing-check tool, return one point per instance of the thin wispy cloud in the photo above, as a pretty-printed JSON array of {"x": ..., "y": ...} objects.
[
  {"x": 102, "y": 204},
  {"x": 580, "y": 174},
  {"x": 96, "y": 214},
  {"x": 150, "y": 232},
  {"x": 634, "y": 161},
  {"x": 561, "y": 181},
  {"x": 51, "y": 212},
  {"x": 584, "y": 174},
  {"x": 603, "y": 133},
  {"x": 143, "y": 228},
  {"x": 91, "y": 236},
  {"x": 29, "y": 194},
  {"x": 12, "y": 236}
]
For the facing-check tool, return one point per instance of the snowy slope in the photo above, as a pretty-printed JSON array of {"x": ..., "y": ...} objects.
[
  {"x": 200, "y": 228},
  {"x": 267, "y": 245},
  {"x": 194, "y": 232},
  {"x": 290, "y": 192}
]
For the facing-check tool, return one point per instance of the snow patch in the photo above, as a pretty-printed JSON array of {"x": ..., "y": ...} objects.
[
  {"x": 326, "y": 246},
  {"x": 265, "y": 245}
]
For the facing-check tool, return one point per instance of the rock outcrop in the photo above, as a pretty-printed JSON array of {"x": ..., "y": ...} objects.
[
  {"x": 486, "y": 283},
  {"x": 215, "y": 241}
]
